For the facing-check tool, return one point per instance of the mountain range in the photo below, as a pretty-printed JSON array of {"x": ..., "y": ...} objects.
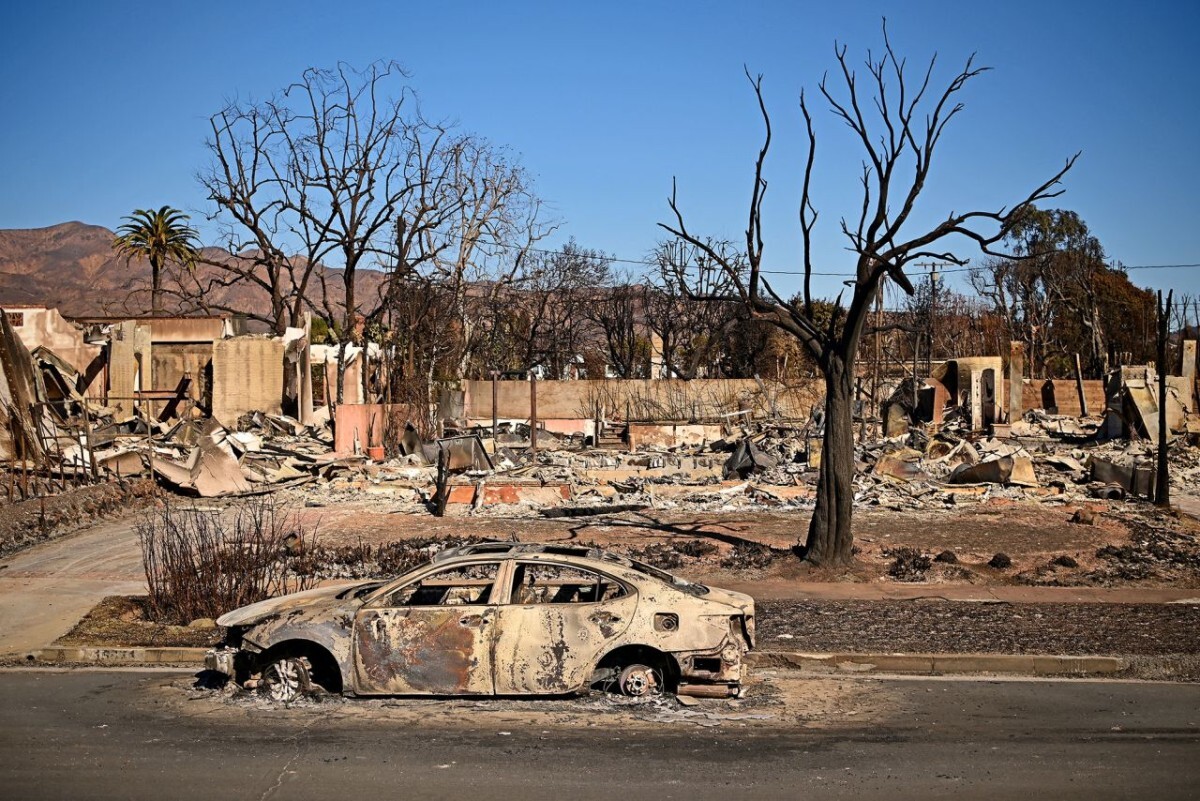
[{"x": 72, "y": 267}]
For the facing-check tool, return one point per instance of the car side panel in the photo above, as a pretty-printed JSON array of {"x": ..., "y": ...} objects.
[
  {"x": 553, "y": 648},
  {"x": 441, "y": 650}
]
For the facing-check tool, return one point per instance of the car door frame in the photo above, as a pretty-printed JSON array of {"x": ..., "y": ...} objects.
[
  {"x": 552, "y": 648},
  {"x": 427, "y": 650}
]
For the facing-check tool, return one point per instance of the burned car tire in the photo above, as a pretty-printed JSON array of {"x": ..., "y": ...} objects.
[
  {"x": 287, "y": 678},
  {"x": 639, "y": 681}
]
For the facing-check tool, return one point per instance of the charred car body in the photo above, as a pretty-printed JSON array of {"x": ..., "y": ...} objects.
[{"x": 496, "y": 619}]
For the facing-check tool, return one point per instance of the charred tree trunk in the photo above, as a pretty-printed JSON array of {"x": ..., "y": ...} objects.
[{"x": 830, "y": 537}]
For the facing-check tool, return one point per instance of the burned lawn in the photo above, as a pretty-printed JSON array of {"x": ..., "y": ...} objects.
[
  {"x": 124, "y": 620},
  {"x": 936, "y": 626},
  {"x": 1127, "y": 545}
]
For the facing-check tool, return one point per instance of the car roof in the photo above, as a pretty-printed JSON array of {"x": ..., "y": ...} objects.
[
  {"x": 508, "y": 549},
  {"x": 501, "y": 548}
]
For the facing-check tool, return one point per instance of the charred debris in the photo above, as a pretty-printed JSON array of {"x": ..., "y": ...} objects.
[{"x": 960, "y": 435}]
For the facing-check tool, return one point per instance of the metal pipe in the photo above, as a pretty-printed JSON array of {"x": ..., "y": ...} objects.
[
  {"x": 495, "y": 395},
  {"x": 533, "y": 412},
  {"x": 707, "y": 690}
]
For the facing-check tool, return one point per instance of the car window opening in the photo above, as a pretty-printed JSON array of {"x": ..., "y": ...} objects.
[
  {"x": 467, "y": 585},
  {"x": 558, "y": 584}
]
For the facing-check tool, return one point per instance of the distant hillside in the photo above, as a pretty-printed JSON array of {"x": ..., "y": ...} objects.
[{"x": 72, "y": 266}]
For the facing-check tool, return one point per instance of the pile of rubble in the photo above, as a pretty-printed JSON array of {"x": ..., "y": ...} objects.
[{"x": 47, "y": 424}]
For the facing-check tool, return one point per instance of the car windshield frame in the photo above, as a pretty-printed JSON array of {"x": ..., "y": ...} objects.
[{"x": 421, "y": 571}]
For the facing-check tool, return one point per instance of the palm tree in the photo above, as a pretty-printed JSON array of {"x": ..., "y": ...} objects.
[{"x": 159, "y": 237}]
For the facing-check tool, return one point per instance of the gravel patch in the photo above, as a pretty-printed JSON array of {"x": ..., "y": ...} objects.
[{"x": 932, "y": 626}]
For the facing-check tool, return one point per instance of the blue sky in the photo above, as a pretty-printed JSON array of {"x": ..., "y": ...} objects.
[{"x": 107, "y": 106}]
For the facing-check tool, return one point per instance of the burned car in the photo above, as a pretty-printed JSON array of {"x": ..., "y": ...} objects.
[{"x": 496, "y": 619}]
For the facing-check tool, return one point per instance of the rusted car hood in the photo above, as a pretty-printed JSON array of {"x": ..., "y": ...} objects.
[{"x": 309, "y": 600}]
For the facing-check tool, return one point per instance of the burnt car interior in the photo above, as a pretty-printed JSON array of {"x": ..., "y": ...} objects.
[
  {"x": 558, "y": 584},
  {"x": 469, "y": 585}
]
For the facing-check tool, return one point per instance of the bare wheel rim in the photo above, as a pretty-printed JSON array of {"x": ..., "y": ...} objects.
[
  {"x": 286, "y": 679},
  {"x": 638, "y": 681}
]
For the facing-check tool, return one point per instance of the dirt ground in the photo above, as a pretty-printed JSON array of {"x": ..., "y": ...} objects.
[
  {"x": 933, "y": 626},
  {"x": 1127, "y": 545},
  {"x": 123, "y": 620},
  {"x": 26, "y": 522}
]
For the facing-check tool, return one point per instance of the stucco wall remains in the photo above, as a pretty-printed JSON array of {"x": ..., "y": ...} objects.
[
  {"x": 47, "y": 328},
  {"x": 247, "y": 377},
  {"x": 617, "y": 399},
  {"x": 130, "y": 366},
  {"x": 173, "y": 360}
]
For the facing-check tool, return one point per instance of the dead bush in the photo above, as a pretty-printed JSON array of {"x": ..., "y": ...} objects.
[
  {"x": 750, "y": 555},
  {"x": 363, "y": 560},
  {"x": 908, "y": 564},
  {"x": 202, "y": 562}
]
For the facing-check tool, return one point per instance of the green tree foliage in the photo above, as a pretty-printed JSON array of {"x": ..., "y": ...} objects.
[
  {"x": 159, "y": 237},
  {"x": 1061, "y": 298}
]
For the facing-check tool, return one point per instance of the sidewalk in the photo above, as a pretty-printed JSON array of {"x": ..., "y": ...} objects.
[
  {"x": 45, "y": 590},
  {"x": 1188, "y": 505}
]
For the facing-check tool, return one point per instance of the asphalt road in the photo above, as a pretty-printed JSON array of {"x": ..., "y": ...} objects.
[{"x": 95, "y": 734}]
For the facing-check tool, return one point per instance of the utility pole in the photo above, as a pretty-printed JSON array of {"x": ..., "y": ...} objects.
[{"x": 933, "y": 287}]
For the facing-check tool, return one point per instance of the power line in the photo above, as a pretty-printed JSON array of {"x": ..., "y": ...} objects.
[
  {"x": 648, "y": 263},
  {"x": 971, "y": 269}
]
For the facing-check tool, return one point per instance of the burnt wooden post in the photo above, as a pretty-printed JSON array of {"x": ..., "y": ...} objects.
[
  {"x": 149, "y": 445},
  {"x": 87, "y": 433},
  {"x": 1162, "y": 483},
  {"x": 1083, "y": 407},
  {"x": 443, "y": 482}
]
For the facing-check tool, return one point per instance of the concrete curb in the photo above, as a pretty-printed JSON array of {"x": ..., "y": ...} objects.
[
  {"x": 90, "y": 655},
  {"x": 1013, "y": 664}
]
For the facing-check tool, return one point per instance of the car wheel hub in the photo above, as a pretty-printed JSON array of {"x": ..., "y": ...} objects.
[{"x": 286, "y": 680}]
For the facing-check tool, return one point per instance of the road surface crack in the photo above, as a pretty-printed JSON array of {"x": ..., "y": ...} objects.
[{"x": 295, "y": 738}]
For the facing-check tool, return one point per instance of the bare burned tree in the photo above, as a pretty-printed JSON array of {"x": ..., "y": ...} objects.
[
  {"x": 616, "y": 310},
  {"x": 899, "y": 139},
  {"x": 337, "y": 194},
  {"x": 358, "y": 172},
  {"x": 557, "y": 290},
  {"x": 248, "y": 182},
  {"x": 691, "y": 333},
  {"x": 479, "y": 246}
]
